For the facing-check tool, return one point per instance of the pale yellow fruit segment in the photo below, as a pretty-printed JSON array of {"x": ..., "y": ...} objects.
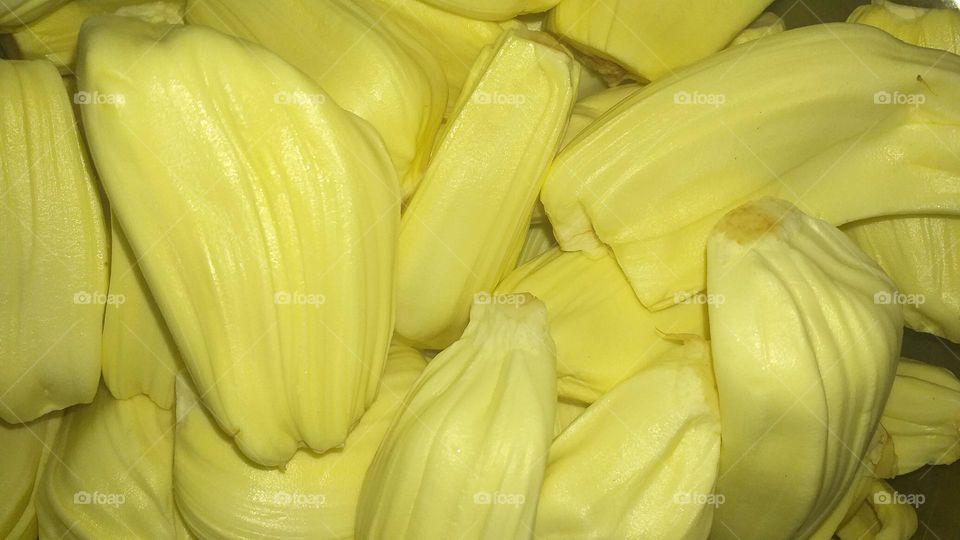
[
  {"x": 937, "y": 28},
  {"x": 17, "y": 13},
  {"x": 922, "y": 416},
  {"x": 265, "y": 228},
  {"x": 652, "y": 38},
  {"x": 641, "y": 462},
  {"x": 467, "y": 451},
  {"x": 223, "y": 495},
  {"x": 454, "y": 40},
  {"x": 26, "y": 450},
  {"x": 54, "y": 248},
  {"x": 804, "y": 360},
  {"x": 464, "y": 228},
  {"x": 878, "y": 515},
  {"x": 54, "y": 37},
  {"x": 587, "y": 110},
  {"x": 749, "y": 122},
  {"x": 111, "y": 477},
  {"x": 767, "y": 24},
  {"x": 603, "y": 333},
  {"x": 366, "y": 63},
  {"x": 139, "y": 355},
  {"x": 492, "y": 10}
]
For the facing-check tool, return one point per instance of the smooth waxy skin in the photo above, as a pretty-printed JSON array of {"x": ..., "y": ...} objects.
[
  {"x": 603, "y": 334},
  {"x": 467, "y": 451},
  {"x": 139, "y": 355},
  {"x": 922, "y": 416},
  {"x": 265, "y": 229},
  {"x": 25, "y": 449},
  {"x": 753, "y": 119},
  {"x": 804, "y": 361},
  {"x": 362, "y": 60},
  {"x": 493, "y": 10},
  {"x": 112, "y": 474},
  {"x": 54, "y": 248},
  {"x": 652, "y": 38},
  {"x": 641, "y": 462},
  {"x": 464, "y": 228},
  {"x": 927, "y": 27},
  {"x": 54, "y": 37},
  {"x": 224, "y": 495}
]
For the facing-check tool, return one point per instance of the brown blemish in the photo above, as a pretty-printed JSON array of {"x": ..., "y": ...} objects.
[{"x": 748, "y": 223}]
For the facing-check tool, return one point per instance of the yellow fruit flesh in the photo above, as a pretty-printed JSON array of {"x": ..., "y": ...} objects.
[
  {"x": 25, "y": 449},
  {"x": 265, "y": 229},
  {"x": 937, "y": 28},
  {"x": 54, "y": 247},
  {"x": 464, "y": 228}
]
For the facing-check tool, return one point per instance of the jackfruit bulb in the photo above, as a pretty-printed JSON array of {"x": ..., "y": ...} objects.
[
  {"x": 937, "y": 28},
  {"x": 804, "y": 359},
  {"x": 264, "y": 226}
]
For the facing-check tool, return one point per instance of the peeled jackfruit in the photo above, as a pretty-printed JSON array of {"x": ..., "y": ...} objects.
[
  {"x": 467, "y": 451},
  {"x": 603, "y": 334},
  {"x": 111, "y": 477},
  {"x": 937, "y": 28},
  {"x": 767, "y": 24},
  {"x": 879, "y": 514},
  {"x": 25, "y": 449},
  {"x": 922, "y": 416},
  {"x": 223, "y": 495},
  {"x": 804, "y": 361},
  {"x": 454, "y": 40},
  {"x": 367, "y": 64},
  {"x": 139, "y": 355},
  {"x": 264, "y": 227},
  {"x": 492, "y": 10},
  {"x": 54, "y": 37},
  {"x": 53, "y": 280},
  {"x": 586, "y": 111},
  {"x": 464, "y": 228},
  {"x": 17, "y": 13},
  {"x": 641, "y": 462},
  {"x": 748, "y": 122},
  {"x": 651, "y": 38}
]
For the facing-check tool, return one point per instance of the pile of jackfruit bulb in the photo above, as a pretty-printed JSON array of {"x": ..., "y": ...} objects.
[{"x": 474, "y": 269}]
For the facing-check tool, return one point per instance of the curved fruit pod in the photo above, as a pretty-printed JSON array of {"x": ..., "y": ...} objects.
[
  {"x": 25, "y": 449},
  {"x": 367, "y": 64},
  {"x": 937, "y": 28},
  {"x": 800, "y": 346},
  {"x": 651, "y": 38},
  {"x": 641, "y": 462},
  {"x": 603, "y": 334},
  {"x": 54, "y": 247},
  {"x": 314, "y": 496},
  {"x": 265, "y": 229},
  {"x": 879, "y": 515},
  {"x": 112, "y": 474},
  {"x": 467, "y": 451},
  {"x": 139, "y": 355},
  {"x": 748, "y": 122},
  {"x": 464, "y": 228},
  {"x": 922, "y": 416}
]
